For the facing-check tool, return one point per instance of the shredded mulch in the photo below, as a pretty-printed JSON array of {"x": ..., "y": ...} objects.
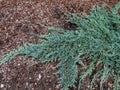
[{"x": 19, "y": 19}]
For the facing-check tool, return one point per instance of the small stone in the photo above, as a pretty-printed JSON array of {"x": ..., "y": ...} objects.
[
  {"x": 35, "y": 83},
  {"x": 19, "y": 64},
  {"x": 30, "y": 78},
  {"x": 39, "y": 77},
  {"x": 48, "y": 76},
  {"x": 2, "y": 85},
  {"x": 26, "y": 83}
]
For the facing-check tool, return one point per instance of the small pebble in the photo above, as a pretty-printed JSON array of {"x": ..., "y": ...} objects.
[
  {"x": 26, "y": 83},
  {"x": 30, "y": 78},
  {"x": 39, "y": 77},
  {"x": 18, "y": 64},
  {"x": 2, "y": 85}
]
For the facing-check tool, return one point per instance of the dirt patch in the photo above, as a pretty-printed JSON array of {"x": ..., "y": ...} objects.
[{"x": 18, "y": 20}]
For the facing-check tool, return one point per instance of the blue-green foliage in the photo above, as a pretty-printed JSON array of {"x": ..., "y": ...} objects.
[{"x": 96, "y": 38}]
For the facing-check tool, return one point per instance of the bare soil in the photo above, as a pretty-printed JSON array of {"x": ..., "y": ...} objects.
[{"x": 19, "y": 19}]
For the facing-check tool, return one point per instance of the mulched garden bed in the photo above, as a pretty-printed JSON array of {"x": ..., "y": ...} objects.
[{"x": 19, "y": 19}]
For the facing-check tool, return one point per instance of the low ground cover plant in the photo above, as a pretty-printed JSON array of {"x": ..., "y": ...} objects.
[{"x": 96, "y": 38}]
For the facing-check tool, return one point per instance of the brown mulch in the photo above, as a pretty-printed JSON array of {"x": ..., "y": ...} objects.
[{"x": 19, "y": 19}]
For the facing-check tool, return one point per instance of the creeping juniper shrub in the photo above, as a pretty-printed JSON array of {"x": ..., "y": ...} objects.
[{"x": 96, "y": 38}]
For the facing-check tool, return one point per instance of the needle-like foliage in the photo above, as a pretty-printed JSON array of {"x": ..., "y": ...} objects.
[{"x": 96, "y": 39}]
